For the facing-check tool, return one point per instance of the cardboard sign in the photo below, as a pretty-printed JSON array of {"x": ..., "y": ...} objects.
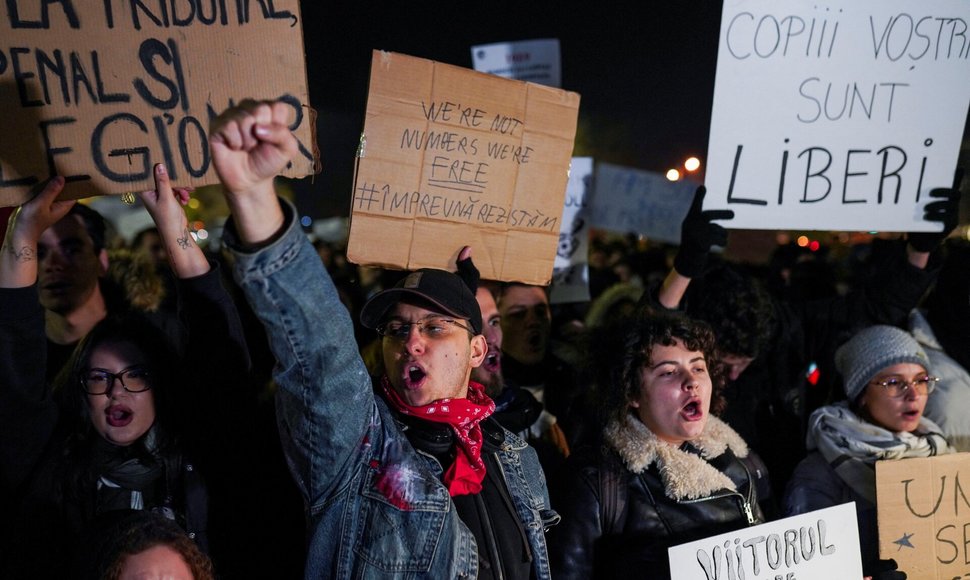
[
  {"x": 819, "y": 545},
  {"x": 924, "y": 515},
  {"x": 644, "y": 202},
  {"x": 570, "y": 273},
  {"x": 840, "y": 115},
  {"x": 536, "y": 61},
  {"x": 100, "y": 91},
  {"x": 451, "y": 157}
]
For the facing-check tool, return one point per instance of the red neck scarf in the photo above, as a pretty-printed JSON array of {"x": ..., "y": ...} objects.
[{"x": 465, "y": 475}]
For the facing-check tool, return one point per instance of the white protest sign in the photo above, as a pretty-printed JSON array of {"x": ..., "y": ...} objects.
[
  {"x": 633, "y": 200},
  {"x": 535, "y": 61},
  {"x": 819, "y": 545},
  {"x": 570, "y": 271},
  {"x": 837, "y": 115}
]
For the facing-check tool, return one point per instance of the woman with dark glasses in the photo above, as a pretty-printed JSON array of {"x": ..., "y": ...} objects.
[{"x": 124, "y": 422}]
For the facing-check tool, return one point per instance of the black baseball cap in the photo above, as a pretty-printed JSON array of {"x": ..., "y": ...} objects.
[{"x": 446, "y": 291}]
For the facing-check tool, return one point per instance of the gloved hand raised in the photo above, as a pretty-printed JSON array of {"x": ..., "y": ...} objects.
[
  {"x": 698, "y": 233},
  {"x": 946, "y": 210},
  {"x": 883, "y": 570},
  {"x": 467, "y": 270}
]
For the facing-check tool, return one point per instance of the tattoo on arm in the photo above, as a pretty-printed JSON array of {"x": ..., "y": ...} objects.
[
  {"x": 24, "y": 254},
  {"x": 185, "y": 241}
]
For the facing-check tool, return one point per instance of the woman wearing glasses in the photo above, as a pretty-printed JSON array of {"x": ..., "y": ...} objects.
[
  {"x": 113, "y": 435},
  {"x": 887, "y": 383}
]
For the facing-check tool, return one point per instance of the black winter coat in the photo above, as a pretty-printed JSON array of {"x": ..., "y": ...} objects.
[
  {"x": 40, "y": 530},
  {"x": 619, "y": 514}
]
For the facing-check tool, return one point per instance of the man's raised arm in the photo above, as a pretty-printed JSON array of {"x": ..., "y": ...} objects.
[{"x": 251, "y": 144}]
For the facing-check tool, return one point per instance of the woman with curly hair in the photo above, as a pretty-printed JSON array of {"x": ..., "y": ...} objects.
[
  {"x": 146, "y": 545},
  {"x": 667, "y": 471}
]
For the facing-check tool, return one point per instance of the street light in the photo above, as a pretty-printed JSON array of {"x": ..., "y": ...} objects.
[
  {"x": 673, "y": 174},
  {"x": 692, "y": 164}
]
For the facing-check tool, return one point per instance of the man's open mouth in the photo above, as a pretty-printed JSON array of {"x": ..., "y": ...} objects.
[
  {"x": 414, "y": 376},
  {"x": 493, "y": 362}
]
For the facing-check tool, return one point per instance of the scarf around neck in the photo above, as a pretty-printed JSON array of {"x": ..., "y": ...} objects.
[
  {"x": 464, "y": 476},
  {"x": 852, "y": 445},
  {"x": 127, "y": 474}
]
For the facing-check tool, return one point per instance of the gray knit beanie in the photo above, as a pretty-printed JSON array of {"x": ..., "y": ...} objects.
[{"x": 870, "y": 351}]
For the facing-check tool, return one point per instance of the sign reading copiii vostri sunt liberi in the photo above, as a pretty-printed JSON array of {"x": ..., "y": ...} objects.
[{"x": 839, "y": 115}]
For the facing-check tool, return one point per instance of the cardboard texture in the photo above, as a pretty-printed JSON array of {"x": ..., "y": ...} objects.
[
  {"x": 100, "y": 91},
  {"x": 924, "y": 515},
  {"x": 452, "y": 157}
]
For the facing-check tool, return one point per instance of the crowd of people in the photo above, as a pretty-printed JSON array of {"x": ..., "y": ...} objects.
[{"x": 272, "y": 410}]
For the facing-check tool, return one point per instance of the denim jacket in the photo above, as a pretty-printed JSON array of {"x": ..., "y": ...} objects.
[{"x": 376, "y": 507}]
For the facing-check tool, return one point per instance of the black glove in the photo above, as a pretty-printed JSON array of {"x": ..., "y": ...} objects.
[
  {"x": 468, "y": 273},
  {"x": 883, "y": 570},
  {"x": 946, "y": 211},
  {"x": 697, "y": 234}
]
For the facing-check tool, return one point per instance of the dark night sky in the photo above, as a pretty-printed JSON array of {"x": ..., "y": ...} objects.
[{"x": 646, "y": 81}]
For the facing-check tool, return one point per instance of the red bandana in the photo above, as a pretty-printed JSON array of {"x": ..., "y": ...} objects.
[{"x": 465, "y": 475}]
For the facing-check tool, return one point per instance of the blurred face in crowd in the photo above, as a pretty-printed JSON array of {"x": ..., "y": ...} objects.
[
  {"x": 431, "y": 355},
  {"x": 734, "y": 365},
  {"x": 120, "y": 416},
  {"x": 150, "y": 244},
  {"x": 68, "y": 266},
  {"x": 675, "y": 394},
  {"x": 489, "y": 373},
  {"x": 156, "y": 563},
  {"x": 894, "y": 407},
  {"x": 526, "y": 322}
]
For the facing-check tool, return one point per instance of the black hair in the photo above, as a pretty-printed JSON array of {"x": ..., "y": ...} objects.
[
  {"x": 139, "y": 531},
  {"x": 79, "y": 470},
  {"x": 94, "y": 223},
  {"x": 736, "y": 306}
]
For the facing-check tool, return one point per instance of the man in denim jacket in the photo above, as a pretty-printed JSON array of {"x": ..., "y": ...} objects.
[{"x": 417, "y": 482}]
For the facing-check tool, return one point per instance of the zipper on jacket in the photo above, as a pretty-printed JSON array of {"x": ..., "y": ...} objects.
[{"x": 744, "y": 503}]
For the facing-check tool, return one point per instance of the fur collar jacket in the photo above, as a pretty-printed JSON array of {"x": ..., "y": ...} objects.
[{"x": 684, "y": 470}]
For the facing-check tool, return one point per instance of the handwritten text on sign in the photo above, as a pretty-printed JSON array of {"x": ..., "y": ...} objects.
[
  {"x": 444, "y": 147},
  {"x": 819, "y": 544},
  {"x": 570, "y": 278},
  {"x": 100, "y": 91},
  {"x": 924, "y": 515},
  {"x": 837, "y": 115}
]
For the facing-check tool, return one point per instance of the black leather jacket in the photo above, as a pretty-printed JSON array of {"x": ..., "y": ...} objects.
[{"x": 617, "y": 523}]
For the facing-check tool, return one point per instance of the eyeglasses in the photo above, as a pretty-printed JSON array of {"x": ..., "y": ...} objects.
[
  {"x": 433, "y": 328},
  {"x": 100, "y": 381},
  {"x": 897, "y": 387}
]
